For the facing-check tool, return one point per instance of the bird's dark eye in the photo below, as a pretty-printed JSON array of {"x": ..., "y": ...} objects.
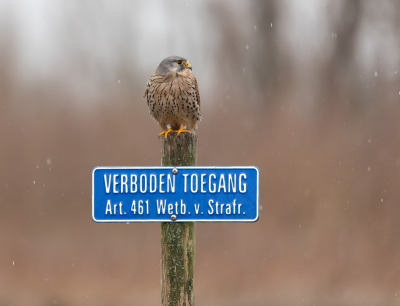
[{"x": 179, "y": 62}]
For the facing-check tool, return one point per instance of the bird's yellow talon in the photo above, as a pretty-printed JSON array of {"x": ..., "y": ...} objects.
[
  {"x": 165, "y": 133},
  {"x": 181, "y": 130}
]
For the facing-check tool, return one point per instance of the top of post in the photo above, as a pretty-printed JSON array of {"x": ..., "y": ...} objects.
[{"x": 178, "y": 150}]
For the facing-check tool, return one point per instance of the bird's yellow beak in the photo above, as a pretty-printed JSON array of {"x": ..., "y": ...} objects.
[{"x": 188, "y": 66}]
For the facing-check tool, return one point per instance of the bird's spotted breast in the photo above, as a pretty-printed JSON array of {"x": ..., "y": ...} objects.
[{"x": 174, "y": 100}]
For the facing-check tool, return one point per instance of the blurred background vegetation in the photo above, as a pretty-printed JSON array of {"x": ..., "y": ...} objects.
[{"x": 308, "y": 91}]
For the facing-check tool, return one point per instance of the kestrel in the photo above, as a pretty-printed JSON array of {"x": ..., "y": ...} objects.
[{"x": 173, "y": 96}]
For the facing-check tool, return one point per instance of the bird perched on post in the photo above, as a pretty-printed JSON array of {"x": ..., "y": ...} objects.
[{"x": 173, "y": 96}]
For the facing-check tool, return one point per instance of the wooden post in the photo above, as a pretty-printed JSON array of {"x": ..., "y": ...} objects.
[{"x": 178, "y": 239}]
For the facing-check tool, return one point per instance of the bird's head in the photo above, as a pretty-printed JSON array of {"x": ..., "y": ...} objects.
[{"x": 173, "y": 64}]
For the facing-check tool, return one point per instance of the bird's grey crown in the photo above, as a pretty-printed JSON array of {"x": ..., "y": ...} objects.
[{"x": 168, "y": 64}]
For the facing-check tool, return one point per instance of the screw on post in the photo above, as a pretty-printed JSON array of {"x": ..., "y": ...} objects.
[
  {"x": 175, "y": 171},
  {"x": 173, "y": 218}
]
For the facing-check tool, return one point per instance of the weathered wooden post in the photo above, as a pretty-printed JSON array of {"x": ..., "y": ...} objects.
[
  {"x": 178, "y": 239},
  {"x": 177, "y": 194}
]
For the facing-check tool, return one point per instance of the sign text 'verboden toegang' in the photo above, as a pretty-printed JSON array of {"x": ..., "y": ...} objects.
[{"x": 155, "y": 194}]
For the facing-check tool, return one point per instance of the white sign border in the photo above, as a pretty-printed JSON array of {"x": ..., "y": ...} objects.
[{"x": 178, "y": 167}]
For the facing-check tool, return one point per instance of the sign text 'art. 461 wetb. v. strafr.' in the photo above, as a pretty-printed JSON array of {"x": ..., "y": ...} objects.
[{"x": 181, "y": 194}]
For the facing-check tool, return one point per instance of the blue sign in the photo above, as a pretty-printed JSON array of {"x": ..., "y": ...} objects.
[{"x": 181, "y": 194}]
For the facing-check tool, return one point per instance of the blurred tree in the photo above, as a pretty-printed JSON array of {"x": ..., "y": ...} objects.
[
  {"x": 266, "y": 60},
  {"x": 251, "y": 53},
  {"x": 7, "y": 62},
  {"x": 340, "y": 74}
]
